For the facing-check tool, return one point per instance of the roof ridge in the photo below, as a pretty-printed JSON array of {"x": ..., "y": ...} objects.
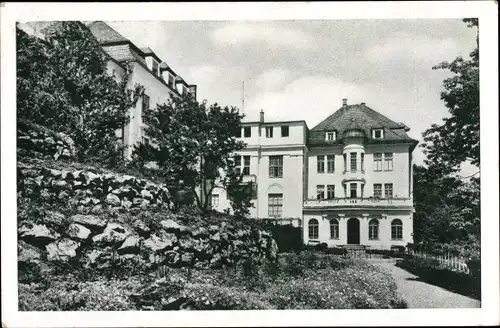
[{"x": 376, "y": 116}]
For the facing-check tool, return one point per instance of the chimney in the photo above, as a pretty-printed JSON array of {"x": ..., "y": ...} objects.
[
  {"x": 344, "y": 102},
  {"x": 261, "y": 116}
]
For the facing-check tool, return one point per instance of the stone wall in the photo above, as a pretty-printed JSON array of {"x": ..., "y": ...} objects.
[
  {"x": 97, "y": 242},
  {"x": 89, "y": 189},
  {"x": 37, "y": 141}
]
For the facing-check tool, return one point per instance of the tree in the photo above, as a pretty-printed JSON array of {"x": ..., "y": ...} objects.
[
  {"x": 63, "y": 84},
  {"x": 456, "y": 140},
  {"x": 447, "y": 208},
  {"x": 192, "y": 143},
  {"x": 239, "y": 193}
]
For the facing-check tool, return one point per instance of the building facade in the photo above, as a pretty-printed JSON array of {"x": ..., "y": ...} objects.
[
  {"x": 346, "y": 181},
  {"x": 140, "y": 66}
]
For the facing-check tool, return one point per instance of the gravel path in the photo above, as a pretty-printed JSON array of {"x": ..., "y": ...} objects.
[{"x": 420, "y": 294}]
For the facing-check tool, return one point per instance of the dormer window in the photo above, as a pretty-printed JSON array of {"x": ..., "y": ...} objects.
[
  {"x": 171, "y": 80},
  {"x": 331, "y": 136},
  {"x": 155, "y": 67},
  {"x": 378, "y": 133}
]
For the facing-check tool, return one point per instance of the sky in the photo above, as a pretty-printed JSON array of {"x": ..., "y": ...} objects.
[{"x": 301, "y": 69}]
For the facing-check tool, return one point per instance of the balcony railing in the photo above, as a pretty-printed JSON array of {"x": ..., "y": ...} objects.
[{"x": 337, "y": 202}]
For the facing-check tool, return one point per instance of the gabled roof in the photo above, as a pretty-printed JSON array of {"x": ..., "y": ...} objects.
[
  {"x": 359, "y": 117},
  {"x": 105, "y": 34}
]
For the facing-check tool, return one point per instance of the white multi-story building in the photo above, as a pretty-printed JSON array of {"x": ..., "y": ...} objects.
[
  {"x": 140, "y": 66},
  {"x": 346, "y": 181}
]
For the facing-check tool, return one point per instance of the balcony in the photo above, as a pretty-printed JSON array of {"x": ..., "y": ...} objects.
[{"x": 358, "y": 202}]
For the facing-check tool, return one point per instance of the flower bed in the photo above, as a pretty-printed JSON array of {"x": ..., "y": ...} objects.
[{"x": 296, "y": 281}]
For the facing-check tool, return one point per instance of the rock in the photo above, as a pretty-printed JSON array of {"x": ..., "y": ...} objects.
[
  {"x": 39, "y": 235},
  {"x": 85, "y": 201},
  {"x": 90, "y": 221},
  {"x": 55, "y": 173},
  {"x": 215, "y": 237},
  {"x": 77, "y": 175},
  {"x": 146, "y": 194},
  {"x": 159, "y": 243},
  {"x": 54, "y": 218},
  {"x": 94, "y": 255},
  {"x": 97, "y": 209},
  {"x": 95, "y": 201},
  {"x": 113, "y": 234},
  {"x": 145, "y": 203},
  {"x": 171, "y": 225},
  {"x": 77, "y": 231},
  {"x": 60, "y": 184},
  {"x": 137, "y": 201},
  {"x": 130, "y": 245},
  {"x": 141, "y": 227},
  {"x": 62, "y": 250},
  {"x": 63, "y": 194},
  {"x": 126, "y": 204},
  {"x": 27, "y": 253},
  {"x": 77, "y": 184},
  {"x": 124, "y": 179},
  {"x": 113, "y": 200},
  {"x": 66, "y": 175},
  {"x": 92, "y": 177}
]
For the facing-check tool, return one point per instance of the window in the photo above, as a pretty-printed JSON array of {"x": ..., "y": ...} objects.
[
  {"x": 377, "y": 162},
  {"x": 215, "y": 200},
  {"x": 345, "y": 162},
  {"x": 334, "y": 229},
  {"x": 321, "y": 163},
  {"x": 276, "y": 166},
  {"x": 285, "y": 131},
  {"x": 154, "y": 68},
  {"x": 354, "y": 190},
  {"x": 320, "y": 192},
  {"x": 377, "y": 190},
  {"x": 247, "y": 131},
  {"x": 145, "y": 140},
  {"x": 171, "y": 80},
  {"x": 331, "y": 136},
  {"x": 362, "y": 162},
  {"x": 388, "y": 190},
  {"x": 330, "y": 163},
  {"x": 269, "y": 131},
  {"x": 275, "y": 208},
  {"x": 388, "y": 161},
  {"x": 237, "y": 164},
  {"x": 313, "y": 229},
  {"x": 246, "y": 165},
  {"x": 396, "y": 229},
  {"x": 354, "y": 162},
  {"x": 378, "y": 133},
  {"x": 330, "y": 192},
  {"x": 238, "y": 133},
  {"x": 145, "y": 103},
  {"x": 373, "y": 229}
]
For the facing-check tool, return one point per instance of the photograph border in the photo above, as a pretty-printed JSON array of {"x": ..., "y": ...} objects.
[{"x": 486, "y": 11}]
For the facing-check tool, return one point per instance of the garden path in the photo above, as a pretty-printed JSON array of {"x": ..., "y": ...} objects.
[{"x": 420, "y": 294}]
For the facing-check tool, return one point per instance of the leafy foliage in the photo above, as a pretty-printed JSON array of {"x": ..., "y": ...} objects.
[
  {"x": 192, "y": 143},
  {"x": 447, "y": 209},
  {"x": 63, "y": 84},
  {"x": 457, "y": 139}
]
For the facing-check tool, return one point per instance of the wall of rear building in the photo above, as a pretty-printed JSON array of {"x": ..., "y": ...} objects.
[
  {"x": 384, "y": 241},
  {"x": 158, "y": 93},
  {"x": 399, "y": 176},
  {"x": 290, "y": 185}
]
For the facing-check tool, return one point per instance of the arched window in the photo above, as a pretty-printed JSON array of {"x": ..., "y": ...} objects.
[
  {"x": 334, "y": 229},
  {"x": 373, "y": 229},
  {"x": 396, "y": 229},
  {"x": 313, "y": 229}
]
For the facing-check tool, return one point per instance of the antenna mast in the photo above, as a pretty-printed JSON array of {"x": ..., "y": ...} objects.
[{"x": 243, "y": 97}]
